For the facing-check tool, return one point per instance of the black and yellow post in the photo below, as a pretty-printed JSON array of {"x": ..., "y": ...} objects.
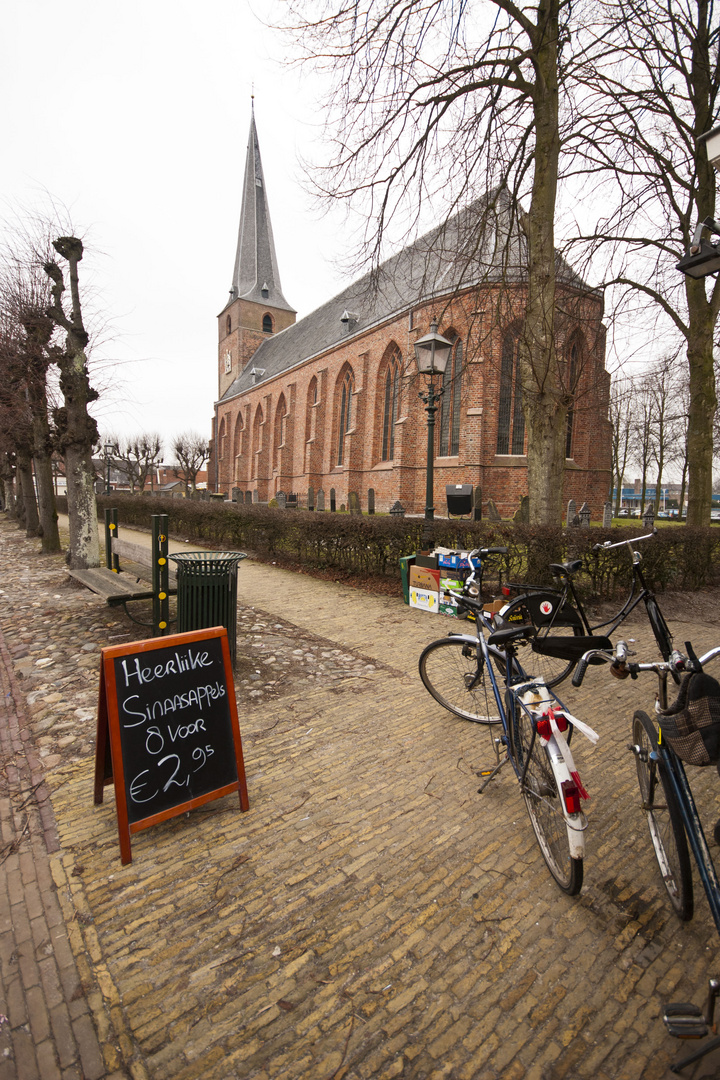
[
  {"x": 160, "y": 575},
  {"x": 112, "y": 561}
]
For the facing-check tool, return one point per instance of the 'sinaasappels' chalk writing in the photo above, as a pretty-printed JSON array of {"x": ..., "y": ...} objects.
[
  {"x": 174, "y": 666},
  {"x": 198, "y": 697}
]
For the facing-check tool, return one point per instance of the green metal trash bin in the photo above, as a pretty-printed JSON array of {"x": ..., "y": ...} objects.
[{"x": 207, "y": 591}]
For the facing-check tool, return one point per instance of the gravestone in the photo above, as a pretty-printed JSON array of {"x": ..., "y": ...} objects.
[
  {"x": 371, "y": 500},
  {"x": 522, "y": 514},
  {"x": 584, "y": 515},
  {"x": 332, "y": 501},
  {"x": 607, "y": 515},
  {"x": 256, "y": 496},
  {"x": 492, "y": 513},
  {"x": 311, "y": 499},
  {"x": 354, "y": 502},
  {"x": 281, "y": 499},
  {"x": 248, "y": 497},
  {"x": 320, "y": 500},
  {"x": 397, "y": 509},
  {"x": 477, "y": 504},
  {"x": 649, "y": 516},
  {"x": 571, "y": 512}
]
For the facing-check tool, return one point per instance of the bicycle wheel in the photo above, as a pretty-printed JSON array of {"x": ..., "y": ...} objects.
[
  {"x": 664, "y": 821},
  {"x": 543, "y": 802},
  {"x": 551, "y": 669},
  {"x": 453, "y": 672}
]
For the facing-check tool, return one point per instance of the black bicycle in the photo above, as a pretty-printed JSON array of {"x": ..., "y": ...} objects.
[
  {"x": 686, "y": 733},
  {"x": 557, "y": 613}
]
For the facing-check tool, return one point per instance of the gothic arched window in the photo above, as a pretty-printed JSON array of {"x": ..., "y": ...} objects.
[
  {"x": 450, "y": 404},
  {"x": 345, "y": 415},
  {"x": 267, "y": 324},
  {"x": 573, "y": 371},
  {"x": 391, "y": 397},
  {"x": 511, "y": 421}
]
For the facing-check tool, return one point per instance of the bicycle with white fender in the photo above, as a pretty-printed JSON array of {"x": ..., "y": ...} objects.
[{"x": 536, "y": 729}]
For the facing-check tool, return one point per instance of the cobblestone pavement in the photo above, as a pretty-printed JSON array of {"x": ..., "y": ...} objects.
[{"x": 371, "y": 916}]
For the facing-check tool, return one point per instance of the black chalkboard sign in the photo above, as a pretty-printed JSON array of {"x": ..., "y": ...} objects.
[{"x": 168, "y": 735}]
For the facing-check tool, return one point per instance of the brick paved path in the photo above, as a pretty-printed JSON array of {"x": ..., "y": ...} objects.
[{"x": 371, "y": 916}]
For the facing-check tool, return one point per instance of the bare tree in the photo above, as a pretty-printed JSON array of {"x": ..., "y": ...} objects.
[
  {"x": 429, "y": 97},
  {"x": 621, "y": 406},
  {"x": 191, "y": 452},
  {"x": 77, "y": 431},
  {"x": 137, "y": 457},
  {"x": 651, "y": 99}
]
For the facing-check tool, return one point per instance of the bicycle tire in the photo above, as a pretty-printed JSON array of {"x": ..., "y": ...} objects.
[
  {"x": 552, "y": 669},
  {"x": 543, "y": 802},
  {"x": 664, "y": 820},
  {"x": 451, "y": 674}
]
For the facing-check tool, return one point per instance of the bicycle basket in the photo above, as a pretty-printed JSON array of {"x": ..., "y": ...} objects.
[{"x": 692, "y": 725}]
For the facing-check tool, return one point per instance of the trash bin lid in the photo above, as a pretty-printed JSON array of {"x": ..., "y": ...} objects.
[{"x": 220, "y": 560}]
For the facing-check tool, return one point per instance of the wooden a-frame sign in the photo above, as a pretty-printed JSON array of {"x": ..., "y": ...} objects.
[{"x": 168, "y": 735}]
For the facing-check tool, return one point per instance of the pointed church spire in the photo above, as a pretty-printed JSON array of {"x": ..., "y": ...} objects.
[{"x": 256, "y": 276}]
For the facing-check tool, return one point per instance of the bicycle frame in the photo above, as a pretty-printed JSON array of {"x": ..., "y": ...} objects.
[{"x": 515, "y": 678}]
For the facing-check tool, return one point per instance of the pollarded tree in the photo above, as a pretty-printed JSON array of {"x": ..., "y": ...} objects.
[
  {"x": 136, "y": 458},
  {"x": 429, "y": 96},
  {"x": 191, "y": 452},
  {"x": 77, "y": 431}
]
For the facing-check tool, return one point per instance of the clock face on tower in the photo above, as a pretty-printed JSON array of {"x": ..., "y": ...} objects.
[{"x": 228, "y": 363}]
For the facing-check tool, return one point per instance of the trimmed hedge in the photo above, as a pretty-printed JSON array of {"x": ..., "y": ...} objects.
[{"x": 682, "y": 557}]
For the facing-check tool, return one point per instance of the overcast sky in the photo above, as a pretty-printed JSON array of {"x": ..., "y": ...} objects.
[{"x": 135, "y": 116}]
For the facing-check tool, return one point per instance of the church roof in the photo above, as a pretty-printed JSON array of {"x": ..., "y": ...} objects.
[
  {"x": 481, "y": 243},
  {"x": 256, "y": 275}
]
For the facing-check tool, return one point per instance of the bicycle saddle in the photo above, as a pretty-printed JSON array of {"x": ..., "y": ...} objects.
[
  {"x": 510, "y": 633},
  {"x": 566, "y": 569}
]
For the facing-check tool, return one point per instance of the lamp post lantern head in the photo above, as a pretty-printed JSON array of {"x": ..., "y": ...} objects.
[
  {"x": 432, "y": 352},
  {"x": 712, "y": 143},
  {"x": 703, "y": 257}
]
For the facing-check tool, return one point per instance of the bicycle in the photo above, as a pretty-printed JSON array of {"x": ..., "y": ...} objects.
[
  {"x": 536, "y": 732},
  {"x": 559, "y": 612},
  {"x": 661, "y": 749}
]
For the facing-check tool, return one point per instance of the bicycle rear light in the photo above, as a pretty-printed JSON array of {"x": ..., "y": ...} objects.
[
  {"x": 571, "y": 797},
  {"x": 544, "y": 728},
  {"x": 506, "y": 590}
]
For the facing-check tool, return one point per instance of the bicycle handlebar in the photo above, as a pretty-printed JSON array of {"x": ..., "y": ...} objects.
[
  {"x": 621, "y": 668},
  {"x": 609, "y": 544}
]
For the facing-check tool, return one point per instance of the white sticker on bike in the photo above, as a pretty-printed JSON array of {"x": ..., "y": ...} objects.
[{"x": 546, "y": 607}]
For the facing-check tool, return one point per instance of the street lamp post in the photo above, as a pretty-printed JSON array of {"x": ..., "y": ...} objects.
[
  {"x": 108, "y": 449},
  {"x": 431, "y": 353}
]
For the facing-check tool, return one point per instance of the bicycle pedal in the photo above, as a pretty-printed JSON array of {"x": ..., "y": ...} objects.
[{"x": 685, "y": 1021}]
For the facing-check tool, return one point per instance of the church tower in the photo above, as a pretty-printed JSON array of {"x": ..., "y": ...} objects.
[{"x": 256, "y": 307}]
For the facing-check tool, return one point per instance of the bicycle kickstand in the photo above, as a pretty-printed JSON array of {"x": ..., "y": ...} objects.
[
  {"x": 490, "y": 773},
  {"x": 687, "y": 1021}
]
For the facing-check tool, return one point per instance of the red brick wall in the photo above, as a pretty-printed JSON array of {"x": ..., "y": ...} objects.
[{"x": 254, "y": 460}]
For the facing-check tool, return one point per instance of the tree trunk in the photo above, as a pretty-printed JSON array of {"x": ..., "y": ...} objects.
[
  {"x": 703, "y": 403},
  {"x": 543, "y": 400},
  {"x": 29, "y": 503}
]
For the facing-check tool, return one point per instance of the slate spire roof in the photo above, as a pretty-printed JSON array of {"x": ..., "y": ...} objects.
[
  {"x": 256, "y": 275},
  {"x": 481, "y": 243}
]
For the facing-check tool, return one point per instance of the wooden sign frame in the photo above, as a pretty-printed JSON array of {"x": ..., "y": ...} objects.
[{"x": 110, "y": 761}]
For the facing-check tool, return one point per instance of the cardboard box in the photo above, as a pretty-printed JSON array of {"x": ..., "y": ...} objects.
[
  {"x": 423, "y": 578},
  {"x": 448, "y": 607},
  {"x": 494, "y": 608},
  {"x": 428, "y": 559},
  {"x": 424, "y": 599}
]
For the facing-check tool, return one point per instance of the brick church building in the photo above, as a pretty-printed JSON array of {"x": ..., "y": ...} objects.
[{"x": 329, "y": 406}]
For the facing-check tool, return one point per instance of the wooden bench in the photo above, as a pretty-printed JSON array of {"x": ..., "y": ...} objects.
[{"x": 118, "y": 586}]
